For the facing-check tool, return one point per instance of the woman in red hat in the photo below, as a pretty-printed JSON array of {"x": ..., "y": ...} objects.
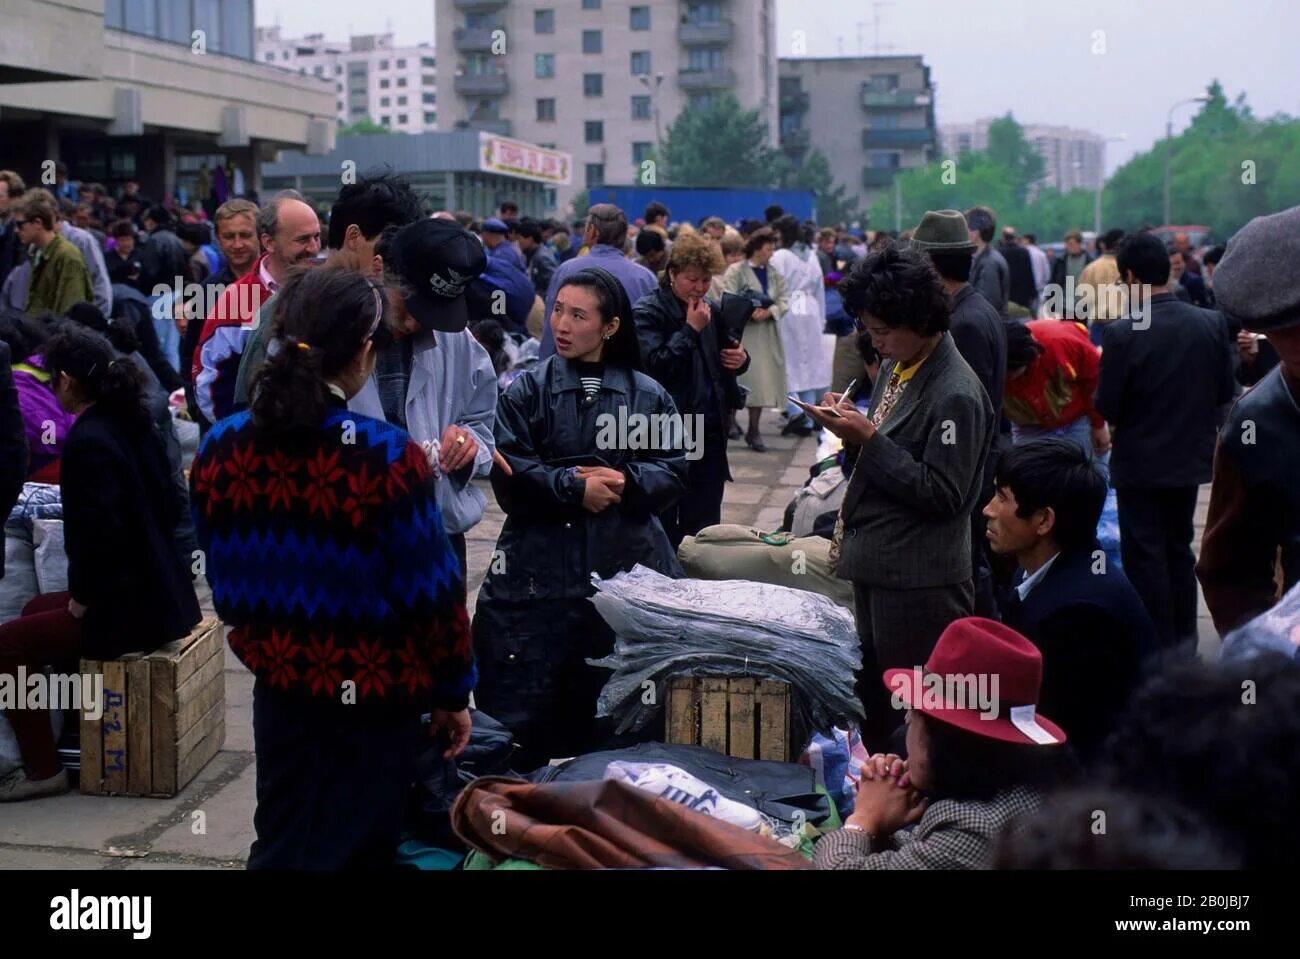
[{"x": 978, "y": 757}]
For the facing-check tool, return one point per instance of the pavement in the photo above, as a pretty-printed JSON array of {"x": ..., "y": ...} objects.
[{"x": 209, "y": 824}]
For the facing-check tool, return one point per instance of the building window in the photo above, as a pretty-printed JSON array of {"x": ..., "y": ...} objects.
[
  {"x": 883, "y": 83},
  {"x": 704, "y": 13},
  {"x": 401, "y": 101},
  {"x": 386, "y": 121},
  {"x": 595, "y": 174},
  {"x": 284, "y": 54},
  {"x": 546, "y": 110},
  {"x": 383, "y": 84},
  {"x": 426, "y": 61},
  {"x": 385, "y": 101},
  {"x": 885, "y": 159},
  {"x": 401, "y": 81},
  {"x": 338, "y": 87},
  {"x": 591, "y": 4},
  {"x": 338, "y": 70},
  {"x": 640, "y": 108},
  {"x": 591, "y": 41},
  {"x": 340, "y": 106},
  {"x": 708, "y": 58},
  {"x": 543, "y": 21},
  {"x": 357, "y": 92},
  {"x": 319, "y": 71},
  {"x": 383, "y": 64},
  {"x": 544, "y": 66},
  {"x": 640, "y": 62},
  {"x": 639, "y": 18},
  {"x": 270, "y": 57},
  {"x": 594, "y": 131},
  {"x": 428, "y": 80},
  {"x": 701, "y": 101},
  {"x": 358, "y": 111},
  {"x": 641, "y": 152},
  {"x": 401, "y": 119},
  {"x": 401, "y": 64},
  {"x": 430, "y": 119},
  {"x": 430, "y": 98},
  {"x": 593, "y": 84},
  {"x": 883, "y": 121}
]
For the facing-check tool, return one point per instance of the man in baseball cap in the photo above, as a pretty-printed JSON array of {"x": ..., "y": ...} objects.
[
  {"x": 435, "y": 260},
  {"x": 435, "y": 380},
  {"x": 495, "y": 235},
  {"x": 1255, "y": 499}
]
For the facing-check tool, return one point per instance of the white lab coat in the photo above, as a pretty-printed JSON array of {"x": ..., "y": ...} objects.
[{"x": 807, "y": 360}]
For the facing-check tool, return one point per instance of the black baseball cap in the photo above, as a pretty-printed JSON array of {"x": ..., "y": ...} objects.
[{"x": 437, "y": 259}]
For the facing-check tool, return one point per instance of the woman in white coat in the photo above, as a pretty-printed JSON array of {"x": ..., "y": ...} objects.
[{"x": 807, "y": 361}]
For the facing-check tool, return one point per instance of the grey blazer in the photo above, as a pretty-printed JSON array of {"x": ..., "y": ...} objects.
[{"x": 916, "y": 481}]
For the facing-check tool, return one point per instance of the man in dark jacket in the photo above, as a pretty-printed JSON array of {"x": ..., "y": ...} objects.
[
  {"x": 1020, "y": 269},
  {"x": 1255, "y": 500},
  {"x": 684, "y": 348},
  {"x": 12, "y": 250},
  {"x": 1069, "y": 265},
  {"x": 988, "y": 270},
  {"x": 163, "y": 256},
  {"x": 1166, "y": 370},
  {"x": 980, "y": 337},
  {"x": 1083, "y": 615},
  {"x": 538, "y": 255}
]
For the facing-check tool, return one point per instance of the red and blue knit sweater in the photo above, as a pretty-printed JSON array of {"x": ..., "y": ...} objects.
[{"x": 331, "y": 563}]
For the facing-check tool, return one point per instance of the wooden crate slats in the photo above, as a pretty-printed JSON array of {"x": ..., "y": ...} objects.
[{"x": 742, "y": 717}]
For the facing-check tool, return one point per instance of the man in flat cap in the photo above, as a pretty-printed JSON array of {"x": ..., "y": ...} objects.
[{"x": 1255, "y": 500}]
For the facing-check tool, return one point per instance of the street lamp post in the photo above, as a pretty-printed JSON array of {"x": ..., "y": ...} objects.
[
  {"x": 1101, "y": 181},
  {"x": 1169, "y": 139}
]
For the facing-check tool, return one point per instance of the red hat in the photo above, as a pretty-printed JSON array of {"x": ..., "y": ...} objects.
[{"x": 982, "y": 677}]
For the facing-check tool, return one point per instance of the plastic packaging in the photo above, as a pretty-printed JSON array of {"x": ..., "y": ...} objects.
[
  {"x": 1274, "y": 631},
  {"x": 687, "y": 627}
]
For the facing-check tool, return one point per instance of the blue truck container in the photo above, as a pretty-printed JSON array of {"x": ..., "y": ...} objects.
[{"x": 690, "y": 204}]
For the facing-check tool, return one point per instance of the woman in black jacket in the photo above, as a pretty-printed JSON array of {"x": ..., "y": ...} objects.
[
  {"x": 588, "y": 477},
  {"x": 127, "y": 588},
  {"x": 687, "y": 349}
]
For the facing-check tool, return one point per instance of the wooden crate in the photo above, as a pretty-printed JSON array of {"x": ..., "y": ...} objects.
[
  {"x": 164, "y": 717},
  {"x": 745, "y": 718}
]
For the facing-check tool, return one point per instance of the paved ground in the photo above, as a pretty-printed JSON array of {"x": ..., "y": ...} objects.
[{"x": 209, "y": 824}]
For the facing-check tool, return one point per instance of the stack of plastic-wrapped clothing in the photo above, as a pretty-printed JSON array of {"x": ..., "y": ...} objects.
[{"x": 687, "y": 627}]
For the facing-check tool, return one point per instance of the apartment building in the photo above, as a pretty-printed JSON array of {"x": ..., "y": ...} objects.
[
  {"x": 1072, "y": 159},
  {"x": 372, "y": 78},
  {"x": 601, "y": 79},
  {"x": 870, "y": 117}
]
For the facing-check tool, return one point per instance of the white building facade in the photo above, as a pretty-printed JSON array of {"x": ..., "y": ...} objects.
[
  {"x": 372, "y": 79},
  {"x": 1072, "y": 159}
]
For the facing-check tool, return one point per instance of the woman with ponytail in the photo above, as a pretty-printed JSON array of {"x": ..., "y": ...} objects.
[
  {"x": 591, "y": 469},
  {"x": 327, "y": 555},
  {"x": 128, "y": 590}
]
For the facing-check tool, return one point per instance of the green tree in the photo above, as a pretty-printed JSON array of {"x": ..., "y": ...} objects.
[
  {"x": 814, "y": 174},
  {"x": 722, "y": 145},
  {"x": 362, "y": 127},
  {"x": 1009, "y": 150}
]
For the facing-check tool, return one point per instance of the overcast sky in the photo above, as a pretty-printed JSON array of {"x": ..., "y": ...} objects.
[{"x": 1033, "y": 57}]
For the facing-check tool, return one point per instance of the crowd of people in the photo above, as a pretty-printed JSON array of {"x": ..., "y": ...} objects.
[{"x": 358, "y": 378}]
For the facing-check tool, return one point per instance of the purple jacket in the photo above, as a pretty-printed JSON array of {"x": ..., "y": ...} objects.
[{"x": 39, "y": 406}]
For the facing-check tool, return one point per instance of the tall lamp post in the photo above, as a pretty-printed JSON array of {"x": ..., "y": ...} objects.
[
  {"x": 1101, "y": 181},
  {"x": 1169, "y": 139},
  {"x": 654, "y": 100}
]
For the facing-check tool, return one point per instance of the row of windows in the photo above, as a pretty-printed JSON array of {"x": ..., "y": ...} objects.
[
  {"x": 544, "y": 20},
  {"x": 403, "y": 119},
  {"x": 227, "y": 25},
  {"x": 383, "y": 64},
  {"x": 358, "y": 67},
  {"x": 544, "y": 69},
  {"x": 641, "y": 108}
]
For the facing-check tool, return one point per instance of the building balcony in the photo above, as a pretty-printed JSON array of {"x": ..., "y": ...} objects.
[
  {"x": 473, "y": 41},
  {"x": 716, "y": 79},
  {"x": 476, "y": 5},
  {"x": 705, "y": 34},
  {"x": 482, "y": 85},
  {"x": 879, "y": 176},
  {"x": 796, "y": 140},
  {"x": 794, "y": 102},
  {"x": 499, "y": 127},
  {"x": 875, "y": 138},
  {"x": 897, "y": 99}
]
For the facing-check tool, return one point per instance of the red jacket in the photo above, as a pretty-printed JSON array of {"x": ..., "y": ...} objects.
[
  {"x": 221, "y": 344},
  {"x": 1058, "y": 387}
]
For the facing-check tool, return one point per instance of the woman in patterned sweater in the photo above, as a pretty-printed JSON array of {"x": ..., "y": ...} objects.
[{"x": 326, "y": 554}]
